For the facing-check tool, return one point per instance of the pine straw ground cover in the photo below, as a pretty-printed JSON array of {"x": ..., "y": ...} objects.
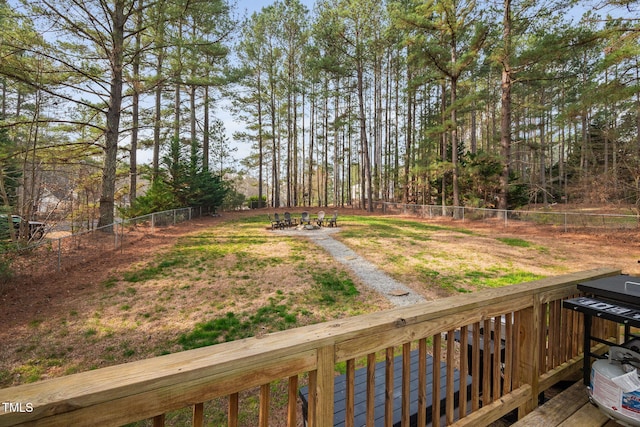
[{"x": 224, "y": 279}]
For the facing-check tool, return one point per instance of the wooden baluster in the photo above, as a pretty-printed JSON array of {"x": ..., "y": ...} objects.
[
  {"x": 475, "y": 368},
  {"x": 293, "y": 401},
  {"x": 553, "y": 336},
  {"x": 350, "y": 397},
  {"x": 406, "y": 384},
  {"x": 508, "y": 353},
  {"x": 450, "y": 373},
  {"x": 313, "y": 398},
  {"x": 265, "y": 402},
  {"x": 422, "y": 382},
  {"x": 558, "y": 358},
  {"x": 568, "y": 332},
  {"x": 497, "y": 352},
  {"x": 578, "y": 333},
  {"x": 562, "y": 334},
  {"x": 435, "y": 389},
  {"x": 486, "y": 362},
  {"x": 546, "y": 363},
  {"x": 543, "y": 330},
  {"x": 517, "y": 356},
  {"x": 371, "y": 387},
  {"x": 158, "y": 420},
  {"x": 234, "y": 403},
  {"x": 464, "y": 370},
  {"x": 198, "y": 415},
  {"x": 388, "y": 394}
]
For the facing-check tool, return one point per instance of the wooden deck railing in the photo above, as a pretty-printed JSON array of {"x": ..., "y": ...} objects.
[{"x": 539, "y": 344}]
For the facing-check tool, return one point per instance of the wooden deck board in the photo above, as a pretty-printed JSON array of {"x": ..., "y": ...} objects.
[
  {"x": 569, "y": 408},
  {"x": 360, "y": 392},
  {"x": 587, "y": 416},
  {"x": 556, "y": 410}
]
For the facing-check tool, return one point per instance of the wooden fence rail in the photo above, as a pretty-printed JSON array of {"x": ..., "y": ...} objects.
[{"x": 497, "y": 349}]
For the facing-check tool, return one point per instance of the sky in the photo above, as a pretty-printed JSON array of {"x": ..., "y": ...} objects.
[{"x": 255, "y": 5}]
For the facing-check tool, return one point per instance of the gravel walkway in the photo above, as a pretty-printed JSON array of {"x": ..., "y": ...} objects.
[{"x": 394, "y": 291}]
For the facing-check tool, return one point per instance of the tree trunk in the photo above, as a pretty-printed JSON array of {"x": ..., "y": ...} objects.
[
  {"x": 454, "y": 145},
  {"x": 363, "y": 139},
  {"x": 107, "y": 198},
  {"x": 505, "y": 119},
  {"x": 409, "y": 138},
  {"x": 312, "y": 133},
  {"x": 157, "y": 120},
  {"x": 206, "y": 135},
  {"x": 135, "y": 110}
]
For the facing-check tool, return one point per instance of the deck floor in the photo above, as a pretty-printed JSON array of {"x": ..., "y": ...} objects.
[{"x": 568, "y": 408}]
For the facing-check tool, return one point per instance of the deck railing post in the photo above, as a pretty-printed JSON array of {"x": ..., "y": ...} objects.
[
  {"x": 529, "y": 347},
  {"x": 325, "y": 387}
]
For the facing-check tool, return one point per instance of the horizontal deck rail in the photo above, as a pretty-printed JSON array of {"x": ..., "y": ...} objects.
[{"x": 517, "y": 338}]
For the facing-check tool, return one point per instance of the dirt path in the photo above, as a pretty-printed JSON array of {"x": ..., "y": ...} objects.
[{"x": 397, "y": 293}]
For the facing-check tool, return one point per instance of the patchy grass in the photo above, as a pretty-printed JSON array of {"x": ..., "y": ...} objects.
[
  {"x": 333, "y": 285},
  {"x": 152, "y": 271},
  {"x": 331, "y": 288},
  {"x": 514, "y": 241},
  {"x": 497, "y": 279},
  {"x": 435, "y": 259},
  {"x": 231, "y": 327}
]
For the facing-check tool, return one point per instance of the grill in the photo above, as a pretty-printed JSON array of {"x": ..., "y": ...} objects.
[{"x": 617, "y": 299}]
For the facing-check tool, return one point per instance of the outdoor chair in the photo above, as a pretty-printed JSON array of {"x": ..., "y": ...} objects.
[
  {"x": 276, "y": 222},
  {"x": 320, "y": 218},
  {"x": 304, "y": 219},
  {"x": 288, "y": 221},
  {"x": 333, "y": 221}
]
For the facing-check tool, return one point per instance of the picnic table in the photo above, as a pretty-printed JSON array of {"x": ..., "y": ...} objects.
[{"x": 360, "y": 392}]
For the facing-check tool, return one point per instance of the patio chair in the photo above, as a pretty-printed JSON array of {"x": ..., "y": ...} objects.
[
  {"x": 304, "y": 219},
  {"x": 288, "y": 221},
  {"x": 276, "y": 222},
  {"x": 333, "y": 221},
  {"x": 320, "y": 218}
]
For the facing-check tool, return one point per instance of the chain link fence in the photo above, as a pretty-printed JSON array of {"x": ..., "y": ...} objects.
[
  {"x": 566, "y": 221},
  {"x": 60, "y": 253}
]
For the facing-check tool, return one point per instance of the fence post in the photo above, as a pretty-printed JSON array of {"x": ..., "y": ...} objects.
[
  {"x": 122, "y": 236},
  {"x": 59, "y": 254},
  {"x": 174, "y": 217}
]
